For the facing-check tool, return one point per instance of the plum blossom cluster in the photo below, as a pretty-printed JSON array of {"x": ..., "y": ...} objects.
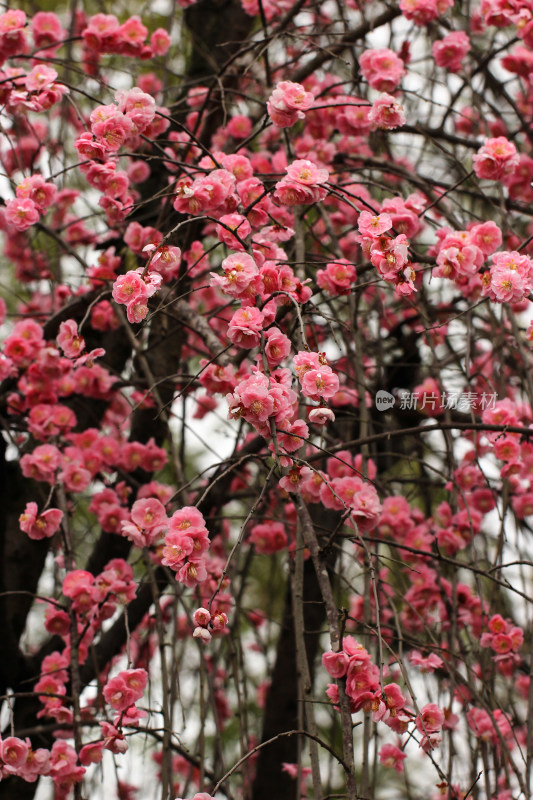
[
  {"x": 386, "y": 703},
  {"x": 383, "y": 69},
  {"x": 34, "y": 196},
  {"x": 103, "y": 33},
  {"x": 186, "y": 545},
  {"x": 389, "y": 254},
  {"x": 510, "y": 278},
  {"x": 461, "y": 254},
  {"x": 505, "y": 639},
  {"x": 17, "y": 757},
  {"x": 496, "y": 159},
  {"x": 303, "y": 185},
  {"x": 206, "y": 623},
  {"x": 320, "y": 141},
  {"x": 288, "y": 103},
  {"x": 91, "y": 600}
]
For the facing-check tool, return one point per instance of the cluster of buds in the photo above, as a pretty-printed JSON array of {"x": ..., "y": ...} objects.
[{"x": 205, "y": 622}]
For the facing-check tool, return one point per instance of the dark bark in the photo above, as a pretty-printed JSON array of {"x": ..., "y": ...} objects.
[{"x": 281, "y": 709}]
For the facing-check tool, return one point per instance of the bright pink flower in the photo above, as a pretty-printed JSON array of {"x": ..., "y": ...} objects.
[
  {"x": 126, "y": 688},
  {"x": 75, "y": 477},
  {"x": 40, "y": 526},
  {"x": 89, "y": 146},
  {"x": 287, "y": 104},
  {"x": 240, "y": 275},
  {"x": 129, "y": 287},
  {"x": 269, "y": 537},
  {"x": 192, "y": 573},
  {"x": 425, "y": 664},
  {"x": 450, "y": 51},
  {"x": 321, "y": 383},
  {"x": 245, "y": 327},
  {"x": 337, "y": 278},
  {"x": 47, "y": 29},
  {"x": 187, "y": 519},
  {"x": 424, "y": 11},
  {"x": 149, "y": 513},
  {"x": 22, "y": 214},
  {"x": 138, "y": 106},
  {"x": 277, "y": 346},
  {"x": 92, "y": 753},
  {"x": 336, "y": 664},
  {"x": 178, "y": 545},
  {"x": 35, "y": 188},
  {"x": 295, "y": 193},
  {"x": 391, "y": 756},
  {"x": 69, "y": 340},
  {"x": 239, "y": 126},
  {"x": 487, "y": 236},
  {"x": 237, "y": 224},
  {"x": 496, "y": 159},
  {"x": 430, "y": 719},
  {"x": 13, "y": 752},
  {"x": 160, "y": 42}
]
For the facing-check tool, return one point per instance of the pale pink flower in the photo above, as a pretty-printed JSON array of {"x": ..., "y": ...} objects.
[
  {"x": 287, "y": 103},
  {"x": 321, "y": 415},
  {"x": 374, "y": 225},
  {"x": 320, "y": 383},
  {"x": 203, "y": 634},
  {"x": 306, "y": 172},
  {"x": 35, "y": 188},
  {"x": 46, "y": 29},
  {"x": 386, "y": 113},
  {"x": 41, "y": 77},
  {"x": 137, "y": 310},
  {"x": 245, "y": 327},
  {"x": 383, "y": 69}
]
